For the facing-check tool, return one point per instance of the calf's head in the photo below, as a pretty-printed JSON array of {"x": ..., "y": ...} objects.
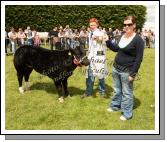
[{"x": 80, "y": 56}]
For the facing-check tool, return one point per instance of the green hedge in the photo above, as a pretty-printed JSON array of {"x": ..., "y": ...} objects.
[{"x": 45, "y": 17}]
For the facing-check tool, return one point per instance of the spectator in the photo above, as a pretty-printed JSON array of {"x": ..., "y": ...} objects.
[
  {"x": 152, "y": 40},
  {"x": 104, "y": 30},
  {"x": 29, "y": 34},
  {"x": 6, "y": 42},
  {"x": 117, "y": 35},
  {"x": 62, "y": 37},
  {"x": 13, "y": 39},
  {"x": 54, "y": 39},
  {"x": 76, "y": 38},
  {"x": 21, "y": 37},
  {"x": 36, "y": 39},
  {"x": 60, "y": 27},
  {"x": 146, "y": 39},
  {"x": 67, "y": 28},
  {"x": 83, "y": 35},
  {"x": 143, "y": 37},
  {"x": 70, "y": 38},
  {"x": 68, "y": 33},
  {"x": 87, "y": 41},
  {"x": 110, "y": 34},
  {"x": 100, "y": 28},
  {"x": 149, "y": 35}
]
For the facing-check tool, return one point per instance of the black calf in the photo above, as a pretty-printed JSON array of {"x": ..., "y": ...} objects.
[{"x": 58, "y": 65}]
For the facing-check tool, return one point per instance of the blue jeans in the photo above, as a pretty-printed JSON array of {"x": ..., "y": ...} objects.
[
  {"x": 13, "y": 44},
  {"x": 123, "y": 93},
  {"x": 90, "y": 83},
  {"x": 30, "y": 42}
]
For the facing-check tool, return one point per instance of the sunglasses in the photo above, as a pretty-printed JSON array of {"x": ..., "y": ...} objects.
[{"x": 128, "y": 25}]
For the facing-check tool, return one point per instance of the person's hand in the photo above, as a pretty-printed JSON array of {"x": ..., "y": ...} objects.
[
  {"x": 105, "y": 38},
  {"x": 100, "y": 38},
  {"x": 94, "y": 37},
  {"x": 131, "y": 78}
]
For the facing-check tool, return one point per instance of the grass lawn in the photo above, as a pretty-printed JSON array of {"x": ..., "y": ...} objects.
[{"x": 39, "y": 109}]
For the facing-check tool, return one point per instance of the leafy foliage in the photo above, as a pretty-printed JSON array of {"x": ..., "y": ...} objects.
[{"x": 45, "y": 17}]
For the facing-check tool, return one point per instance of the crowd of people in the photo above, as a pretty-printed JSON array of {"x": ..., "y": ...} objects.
[
  {"x": 17, "y": 38},
  {"x": 61, "y": 38},
  {"x": 149, "y": 38}
]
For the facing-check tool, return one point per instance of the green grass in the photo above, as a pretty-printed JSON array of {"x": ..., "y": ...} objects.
[{"x": 39, "y": 109}]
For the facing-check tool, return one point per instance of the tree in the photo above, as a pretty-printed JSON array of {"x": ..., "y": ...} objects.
[{"x": 45, "y": 17}]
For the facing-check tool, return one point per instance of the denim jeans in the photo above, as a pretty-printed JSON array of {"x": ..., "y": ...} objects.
[
  {"x": 90, "y": 83},
  {"x": 13, "y": 43},
  {"x": 72, "y": 44},
  {"x": 30, "y": 41},
  {"x": 123, "y": 93}
]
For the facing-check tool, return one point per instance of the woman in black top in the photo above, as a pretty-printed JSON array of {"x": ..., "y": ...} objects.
[{"x": 125, "y": 67}]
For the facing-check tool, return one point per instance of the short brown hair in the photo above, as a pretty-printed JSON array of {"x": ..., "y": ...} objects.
[{"x": 132, "y": 18}]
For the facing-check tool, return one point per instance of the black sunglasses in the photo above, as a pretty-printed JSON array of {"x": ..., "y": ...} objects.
[{"x": 128, "y": 25}]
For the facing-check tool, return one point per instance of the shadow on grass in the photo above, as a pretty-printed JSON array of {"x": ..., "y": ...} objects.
[
  {"x": 109, "y": 90},
  {"x": 74, "y": 91},
  {"x": 136, "y": 103},
  {"x": 50, "y": 88}
]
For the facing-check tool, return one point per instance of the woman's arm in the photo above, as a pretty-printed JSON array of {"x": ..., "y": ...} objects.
[
  {"x": 139, "y": 56},
  {"x": 112, "y": 46}
]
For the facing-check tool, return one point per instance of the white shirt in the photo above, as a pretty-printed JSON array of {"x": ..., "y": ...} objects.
[
  {"x": 125, "y": 41},
  {"x": 98, "y": 63}
]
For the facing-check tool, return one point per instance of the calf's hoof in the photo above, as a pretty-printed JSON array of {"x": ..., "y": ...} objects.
[
  {"x": 21, "y": 90},
  {"x": 27, "y": 86},
  {"x": 61, "y": 100}
]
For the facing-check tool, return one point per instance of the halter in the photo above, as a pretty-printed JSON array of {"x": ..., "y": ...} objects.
[{"x": 78, "y": 63}]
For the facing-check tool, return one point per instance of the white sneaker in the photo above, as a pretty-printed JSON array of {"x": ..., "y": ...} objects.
[
  {"x": 110, "y": 109},
  {"x": 123, "y": 118}
]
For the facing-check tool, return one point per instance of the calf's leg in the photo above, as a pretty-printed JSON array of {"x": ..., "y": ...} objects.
[
  {"x": 20, "y": 79},
  {"x": 26, "y": 77},
  {"x": 65, "y": 84},
  {"x": 59, "y": 90}
]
